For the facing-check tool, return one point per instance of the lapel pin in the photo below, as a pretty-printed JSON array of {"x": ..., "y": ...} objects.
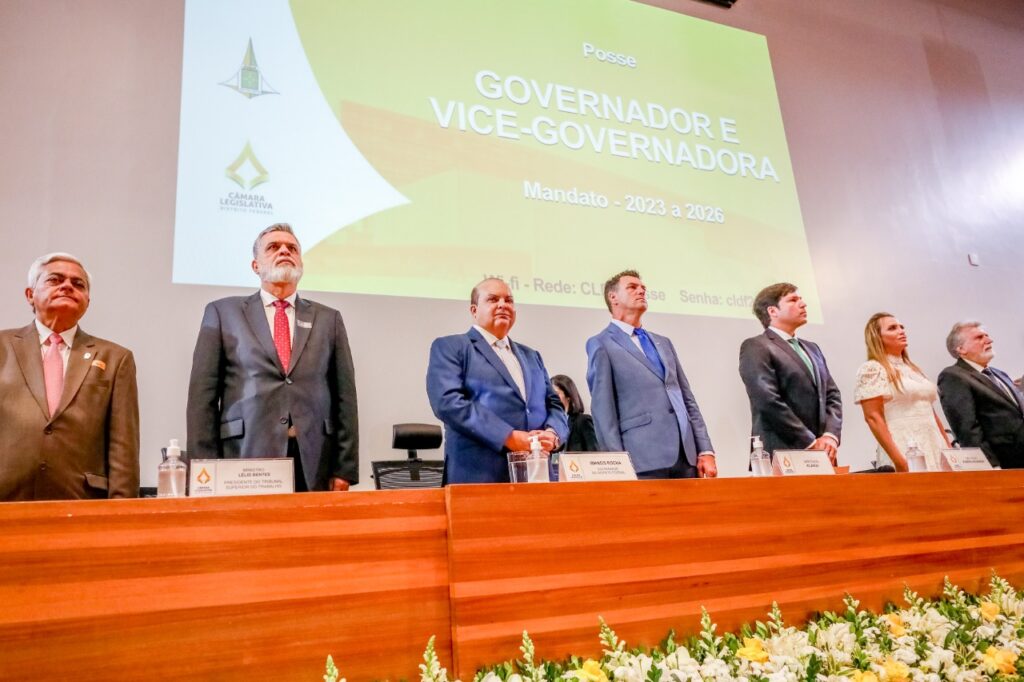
[{"x": 87, "y": 356}]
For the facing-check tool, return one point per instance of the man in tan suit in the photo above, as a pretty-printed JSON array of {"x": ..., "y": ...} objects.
[{"x": 69, "y": 417}]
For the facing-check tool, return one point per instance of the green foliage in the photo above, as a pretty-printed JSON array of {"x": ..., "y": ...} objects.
[
  {"x": 527, "y": 668},
  {"x": 430, "y": 668},
  {"x": 861, "y": 660},
  {"x": 668, "y": 645},
  {"x": 913, "y": 599},
  {"x": 609, "y": 639},
  {"x": 813, "y": 668},
  {"x": 775, "y": 622},
  {"x": 956, "y": 614},
  {"x": 709, "y": 645},
  {"x": 732, "y": 642},
  {"x": 331, "y": 673}
]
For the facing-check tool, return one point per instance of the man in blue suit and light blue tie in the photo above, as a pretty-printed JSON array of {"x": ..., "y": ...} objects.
[
  {"x": 491, "y": 393},
  {"x": 640, "y": 398}
]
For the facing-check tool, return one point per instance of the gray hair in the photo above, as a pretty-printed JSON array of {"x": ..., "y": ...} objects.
[
  {"x": 276, "y": 227},
  {"x": 953, "y": 338},
  {"x": 36, "y": 269}
]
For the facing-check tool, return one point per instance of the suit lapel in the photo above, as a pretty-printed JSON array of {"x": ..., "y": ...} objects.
[
  {"x": 30, "y": 360},
  {"x": 670, "y": 367},
  {"x": 485, "y": 349},
  {"x": 304, "y": 314},
  {"x": 1018, "y": 400},
  {"x": 818, "y": 361},
  {"x": 257, "y": 319},
  {"x": 522, "y": 365},
  {"x": 625, "y": 341},
  {"x": 795, "y": 357},
  {"x": 78, "y": 367},
  {"x": 983, "y": 381}
]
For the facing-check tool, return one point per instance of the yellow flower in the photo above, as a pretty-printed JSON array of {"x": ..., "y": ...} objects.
[
  {"x": 1000, "y": 660},
  {"x": 989, "y": 610},
  {"x": 895, "y": 671},
  {"x": 753, "y": 650},
  {"x": 590, "y": 672},
  {"x": 895, "y": 624},
  {"x": 864, "y": 676}
]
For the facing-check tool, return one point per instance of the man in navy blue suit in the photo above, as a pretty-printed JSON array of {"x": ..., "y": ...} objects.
[
  {"x": 491, "y": 393},
  {"x": 640, "y": 398}
]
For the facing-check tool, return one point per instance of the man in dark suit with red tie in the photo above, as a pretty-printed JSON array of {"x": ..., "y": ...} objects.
[
  {"x": 272, "y": 375},
  {"x": 984, "y": 408},
  {"x": 794, "y": 403}
]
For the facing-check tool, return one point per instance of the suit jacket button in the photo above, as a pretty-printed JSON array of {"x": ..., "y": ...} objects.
[
  {"x": 671, "y": 410},
  {"x": 42, "y": 467},
  {"x": 48, "y": 430},
  {"x": 284, "y": 420}
]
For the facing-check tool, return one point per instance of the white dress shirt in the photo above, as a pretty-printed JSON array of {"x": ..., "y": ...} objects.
[
  {"x": 268, "y": 307},
  {"x": 504, "y": 352},
  {"x": 69, "y": 338},
  {"x": 630, "y": 332}
]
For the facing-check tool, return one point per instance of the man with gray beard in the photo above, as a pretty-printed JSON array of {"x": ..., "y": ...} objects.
[{"x": 272, "y": 375}]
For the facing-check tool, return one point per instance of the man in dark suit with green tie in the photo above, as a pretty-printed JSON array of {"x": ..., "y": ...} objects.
[{"x": 794, "y": 403}]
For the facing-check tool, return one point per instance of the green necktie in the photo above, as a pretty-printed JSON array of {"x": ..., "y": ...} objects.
[{"x": 803, "y": 356}]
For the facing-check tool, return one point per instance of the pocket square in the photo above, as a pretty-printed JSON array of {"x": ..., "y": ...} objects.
[{"x": 99, "y": 363}]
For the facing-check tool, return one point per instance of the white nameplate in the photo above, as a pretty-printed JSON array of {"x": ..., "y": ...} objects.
[
  {"x": 595, "y": 466},
  {"x": 802, "y": 463},
  {"x": 964, "y": 459},
  {"x": 226, "y": 477}
]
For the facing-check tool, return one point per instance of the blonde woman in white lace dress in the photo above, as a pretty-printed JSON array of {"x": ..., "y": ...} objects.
[{"x": 896, "y": 396}]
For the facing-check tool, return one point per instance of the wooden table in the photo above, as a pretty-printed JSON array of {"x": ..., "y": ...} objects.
[{"x": 263, "y": 588}]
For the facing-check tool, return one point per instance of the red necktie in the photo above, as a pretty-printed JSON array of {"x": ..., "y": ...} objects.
[
  {"x": 282, "y": 335},
  {"x": 53, "y": 371}
]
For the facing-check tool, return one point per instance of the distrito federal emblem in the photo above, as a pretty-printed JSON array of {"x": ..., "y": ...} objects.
[
  {"x": 248, "y": 164},
  {"x": 248, "y": 80}
]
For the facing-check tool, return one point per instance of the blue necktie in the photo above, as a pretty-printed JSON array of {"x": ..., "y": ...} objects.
[
  {"x": 650, "y": 351},
  {"x": 1000, "y": 384}
]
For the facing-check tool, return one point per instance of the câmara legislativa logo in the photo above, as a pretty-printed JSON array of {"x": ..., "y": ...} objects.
[{"x": 247, "y": 172}]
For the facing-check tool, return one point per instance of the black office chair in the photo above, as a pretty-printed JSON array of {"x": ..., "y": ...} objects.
[{"x": 412, "y": 472}]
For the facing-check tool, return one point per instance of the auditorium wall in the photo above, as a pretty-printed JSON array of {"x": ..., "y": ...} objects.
[{"x": 906, "y": 131}]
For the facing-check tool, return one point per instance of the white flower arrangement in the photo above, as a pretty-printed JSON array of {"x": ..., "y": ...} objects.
[{"x": 956, "y": 638}]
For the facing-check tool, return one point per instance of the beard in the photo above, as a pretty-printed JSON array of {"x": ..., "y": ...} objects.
[{"x": 282, "y": 273}]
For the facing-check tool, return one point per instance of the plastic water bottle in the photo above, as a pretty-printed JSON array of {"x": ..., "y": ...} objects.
[
  {"x": 760, "y": 461},
  {"x": 170, "y": 479},
  {"x": 915, "y": 458}
]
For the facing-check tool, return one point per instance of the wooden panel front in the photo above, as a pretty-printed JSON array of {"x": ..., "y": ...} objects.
[
  {"x": 551, "y": 558},
  {"x": 255, "y": 588}
]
